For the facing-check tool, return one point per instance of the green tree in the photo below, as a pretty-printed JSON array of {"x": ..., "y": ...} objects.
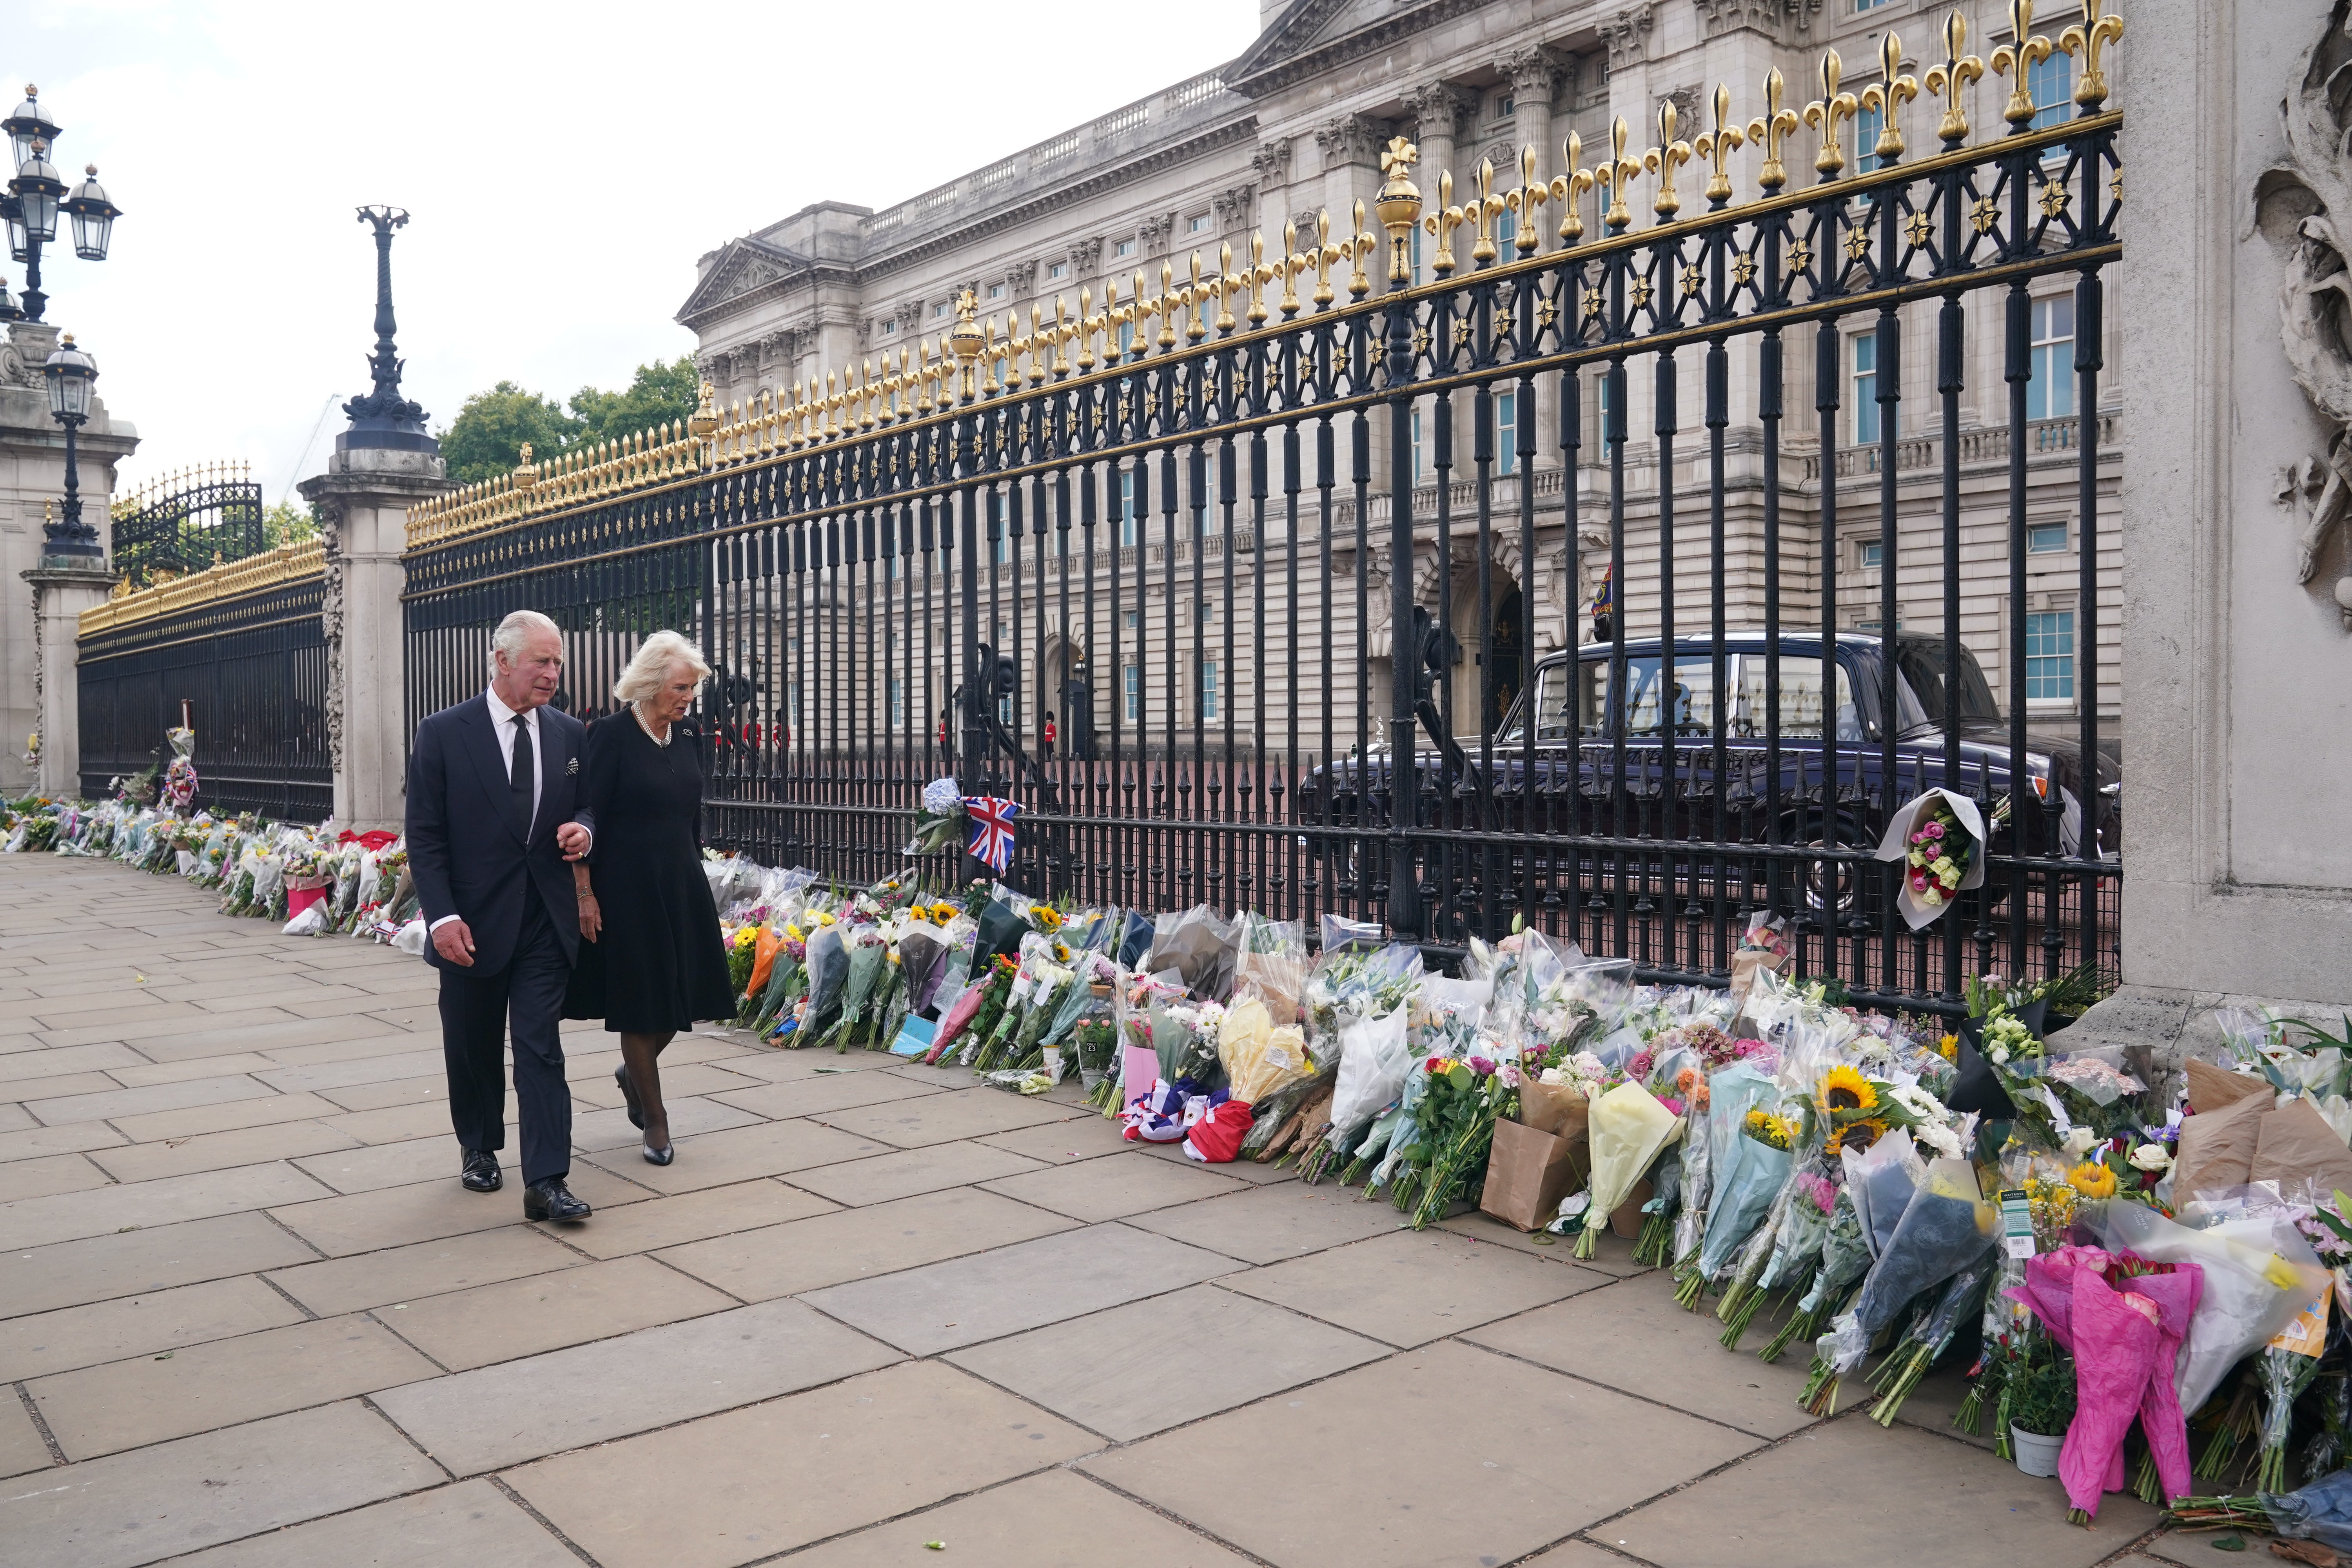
[
  {"x": 288, "y": 521},
  {"x": 485, "y": 438},
  {"x": 660, "y": 393}
]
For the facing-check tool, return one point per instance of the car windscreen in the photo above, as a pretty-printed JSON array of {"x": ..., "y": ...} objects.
[{"x": 1922, "y": 700}]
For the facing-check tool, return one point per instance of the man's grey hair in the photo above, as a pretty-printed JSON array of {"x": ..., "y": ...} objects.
[
  {"x": 648, "y": 672},
  {"x": 515, "y": 631}
]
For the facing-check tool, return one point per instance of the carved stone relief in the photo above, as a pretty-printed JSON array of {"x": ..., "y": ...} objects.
[
  {"x": 1627, "y": 34},
  {"x": 2302, "y": 205}
]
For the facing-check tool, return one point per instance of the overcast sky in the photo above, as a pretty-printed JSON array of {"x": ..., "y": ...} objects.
[{"x": 563, "y": 166}]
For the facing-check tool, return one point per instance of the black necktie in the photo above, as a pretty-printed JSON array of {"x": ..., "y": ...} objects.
[{"x": 522, "y": 781}]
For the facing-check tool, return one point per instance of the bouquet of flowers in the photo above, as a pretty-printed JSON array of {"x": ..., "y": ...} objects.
[
  {"x": 1845, "y": 1258},
  {"x": 1260, "y": 1057},
  {"x": 1939, "y": 839},
  {"x": 1944, "y": 1227},
  {"x": 1456, "y": 1121},
  {"x": 1929, "y": 1336},
  {"x": 861, "y": 995},
  {"x": 977, "y": 1011},
  {"x": 939, "y": 820},
  {"x": 1627, "y": 1128}
]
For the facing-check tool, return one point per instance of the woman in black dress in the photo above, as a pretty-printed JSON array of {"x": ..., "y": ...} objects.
[{"x": 653, "y": 962}]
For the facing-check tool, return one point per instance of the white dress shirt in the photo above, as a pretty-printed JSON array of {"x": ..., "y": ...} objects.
[
  {"x": 502, "y": 725},
  {"x": 502, "y": 720}
]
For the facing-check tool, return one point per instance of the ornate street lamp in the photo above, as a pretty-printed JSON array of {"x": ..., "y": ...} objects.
[
  {"x": 38, "y": 194},
  {"x": 69, "y": 373},
  {"x": 384, "y": 418}
]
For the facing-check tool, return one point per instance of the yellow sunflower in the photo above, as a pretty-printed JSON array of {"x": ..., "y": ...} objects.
[
  {"x": 2092, "y": 1180},
  {"x": 1847, "y": 1094},
  {"x": 1048, "y": 919},
  {"x": 1856, "y": 1136},
  {"x": 1948, "y": 1047}
]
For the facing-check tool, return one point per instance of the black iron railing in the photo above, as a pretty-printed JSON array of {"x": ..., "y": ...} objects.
[
  {"x": 248, "y": 671},
  {"x": 1165, "y": 551}
]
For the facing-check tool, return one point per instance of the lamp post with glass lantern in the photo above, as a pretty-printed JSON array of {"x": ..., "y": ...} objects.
[
  {"x": 69, "y": 373},
  {"x": 37, "y": 195}
]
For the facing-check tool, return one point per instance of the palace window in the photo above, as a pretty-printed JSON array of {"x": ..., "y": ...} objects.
[
  {"x": 1865, "y": 389},
  {"x": 1507, "y": 432},
  {"x": 1199, "y": 223},
  {"x": 996, "y": 291},
  {"x": 1208, "y": 688},
  {"x": 2046, "y": 539},
  {"x": 889, "y": 329},
  {"x": 2050, "y": 395},
  {"x": 1126, "y": 518},
  {"x": 1058, "y": 270},
  {"x": 1505, "y": 106},
  {"x": 2050, "y": 655},
  {"x": 1134, "y": 690},
  {"x": 939, "y": 311},
  {"x": 1867, "y": 124},
  {"x": 2052, "y": 82},
  {"x": 1124, "y": 247}
]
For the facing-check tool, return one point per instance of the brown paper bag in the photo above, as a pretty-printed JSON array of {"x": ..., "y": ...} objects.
[
  {"x": 1628, "y": 1219},
  {"x": 1554, "y": 1108},
  {"x": 2212, "y": 1089},
  {"x": 1528, "y": 1173},
  {"x": 2216, "y": 1147},
  {"x": 2298, "y": 1149}
]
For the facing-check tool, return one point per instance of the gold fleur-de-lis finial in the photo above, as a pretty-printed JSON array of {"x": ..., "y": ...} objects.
[
  {"x": 2016, "y": 59},
  {"x": 2088, "y": 38},
  {"x": 1569, "y": 190},
  {"x": 1616, "y": 174},
  {"x": 1886, "y": 97},
  {"x": 1359, "y": 282},
  {"x": 1772, "y": 128},
  {"x": 1824, "y": 112},
  {"x": 1531, "y": 194},
  {"x": 1949, "y": 78},
  {"x": 1717, "y": 146},
  {"x": 1485, "y": 209},
  {"x": 1442, "y": 222},
  {"x": 1662, "y": 159}
]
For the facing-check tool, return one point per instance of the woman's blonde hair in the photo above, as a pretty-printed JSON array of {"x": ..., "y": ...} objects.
[{"x": 648, "y": 672}]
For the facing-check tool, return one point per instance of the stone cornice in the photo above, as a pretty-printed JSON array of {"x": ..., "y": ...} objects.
[{"x": 1266, "y": 67}]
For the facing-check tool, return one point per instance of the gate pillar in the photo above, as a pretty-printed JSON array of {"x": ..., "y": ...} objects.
[
  {"x": 363, "y": 499},
  {"x": 60, "y": 594}
]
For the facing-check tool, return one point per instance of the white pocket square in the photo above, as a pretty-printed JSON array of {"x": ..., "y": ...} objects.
[{"x": 571, "y": 766}]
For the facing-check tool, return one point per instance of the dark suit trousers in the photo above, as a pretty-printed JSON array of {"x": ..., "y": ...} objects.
[{"x": 478, "y": 1012}]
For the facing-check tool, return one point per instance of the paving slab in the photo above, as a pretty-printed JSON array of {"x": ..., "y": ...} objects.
[
  {"x": 147, "y": 1072},
  {"x": 70, "y": 1337},
  {"x": 399, "y": 1124},
  {"x": 393, "y": 1217},
  {"x": 424, "y": 1268},
  {"x": 471, "y": 1523},
  {"x": 884, "y": 1177},
  {"x": 1516, "y": 1458},
  {"x": 2190, "y": 1548},
  {"x": 100, "y": 1211},
  {"x": 21, "y": 1448},
  {"x": 39, "y": 1143},
  {"x": 395, "y": 1092},
  {"x": 1613, "y": 1254},
  {"x": 1409, "y": 1288},
  {"x": 266, "y": 1030},
  {"x": 1248, "y": 1170},
  {"x": 358, "y": 1168},
  {"x": 150, "y": 1398},
  {"x": 29, "y": 1091},
  {"x": 101, "y": 1267},
  {"x": 847, "y": 1449},
  {"x": 967, "y": 1299},
  {"x": 595, "y": 1132},
  {"x": 47, "y": 1176},
  {"x": 1266, "y": 1224},
  {"x": 772, "y": 1066},
  {"x": 220, "y": 1150},
  {"x": 692, "y": 1216},
  {"x": 942, "y": 1118},
  {"x": 1102, "y": 1371},
  {"x": 134, "y": 1508},
  {"x": 1055, "y": 1518},
  {"x": 853, "y": 1243},
  {"x": 740, "y": 1153},
  {"x": 1059, "y": 1142},
  {"x": 834, "y": 1091},
  {"x": 520, "y": 1410},
  {"x": 1113, "y": 1186},
  {"x": 197, "y": 1120},
  {"x": 400, "y": 1059},
  {"x": 107, "y": 1104},
  {"x": 1631, "y": 1336},
  {"x": 1768, "y": 1513},
  {"x": 516, "y": 1318},
  {"x": 194, "y": 1033},
  {"x": 16, "y": 1067}
]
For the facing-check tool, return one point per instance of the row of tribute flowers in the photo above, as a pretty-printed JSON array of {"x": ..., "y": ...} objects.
[{"x": 2151, "y": 1289}]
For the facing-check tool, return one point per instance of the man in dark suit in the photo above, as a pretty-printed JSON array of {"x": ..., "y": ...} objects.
[{"x": 494, "y": 812}]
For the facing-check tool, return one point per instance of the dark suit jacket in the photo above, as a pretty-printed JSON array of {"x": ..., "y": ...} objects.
[{"x": 467, "y": 857}]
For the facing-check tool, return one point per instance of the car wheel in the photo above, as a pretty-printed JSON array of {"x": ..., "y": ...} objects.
[{"x": 1848, "y": 890}]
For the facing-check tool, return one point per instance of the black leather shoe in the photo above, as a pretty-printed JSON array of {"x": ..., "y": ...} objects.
[
  {"x": 481, "y": 1173},
  {"x": 629, "y": 1092},
  {"x": 550, "y": 1199}
]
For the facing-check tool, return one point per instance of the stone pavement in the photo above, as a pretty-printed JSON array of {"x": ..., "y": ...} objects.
[{"x": 251, "y": 1318}]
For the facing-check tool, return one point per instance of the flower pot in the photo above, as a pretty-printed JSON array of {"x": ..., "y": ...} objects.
[{"x": 2036, "y": 1454}]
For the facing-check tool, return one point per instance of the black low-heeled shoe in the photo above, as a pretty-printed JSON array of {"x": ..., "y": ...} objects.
[{"x": 629, "y": 1092}]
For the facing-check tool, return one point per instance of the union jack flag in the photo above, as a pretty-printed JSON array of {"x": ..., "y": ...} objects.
[{"x": 992, "y": 829}]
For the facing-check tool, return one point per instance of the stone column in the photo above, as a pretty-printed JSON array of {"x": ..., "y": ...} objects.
[
  {"x": 363, "y": 499},
  {"x": 1437, "y": 108},
  {"x": 32, "y": 484},
  {"x": 2237, "y": 405},
  {"x": 61, "y": 592},
  {"x": 1534, "y": 74}
]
